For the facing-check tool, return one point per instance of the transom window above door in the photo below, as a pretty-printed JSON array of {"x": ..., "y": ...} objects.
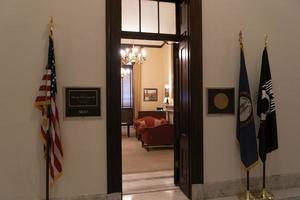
[{"x": 149, "y": 16}]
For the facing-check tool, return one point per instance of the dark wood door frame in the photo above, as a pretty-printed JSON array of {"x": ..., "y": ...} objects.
[
  {"x": 113, "y": 94},
  {"x": 196, "y": 78}
]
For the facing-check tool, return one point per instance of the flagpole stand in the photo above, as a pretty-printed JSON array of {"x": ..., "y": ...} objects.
[
  {"x": 247, "y": 195},
  {"x": 264, "y": 194}
]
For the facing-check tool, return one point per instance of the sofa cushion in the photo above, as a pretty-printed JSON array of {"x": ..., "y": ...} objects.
[
  {"x": 147, "y": 122},
  {"x": 150, "y": 122},
  {"x": 141, "y": 123},
  {"x": 158, "y": 122}
]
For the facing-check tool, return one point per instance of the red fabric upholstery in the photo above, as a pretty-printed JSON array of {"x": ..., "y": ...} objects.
[
  {"x": 160, "y": 135},
  {"x": 156, "y": 114},
  {"x": 147, "y": 122}
]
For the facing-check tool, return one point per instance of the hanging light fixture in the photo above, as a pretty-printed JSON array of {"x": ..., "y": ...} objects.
[{"x": 134, "y": 55}]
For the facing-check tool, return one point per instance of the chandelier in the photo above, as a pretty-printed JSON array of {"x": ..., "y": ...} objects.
[{"x": 134, "y": 55}]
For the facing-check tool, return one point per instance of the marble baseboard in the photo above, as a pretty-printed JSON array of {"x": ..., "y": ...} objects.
[
  {"x": 234, "y": 187},
  {"x": 197, "y": 192},
  {"x": 83, "y": 197},
  {"x": 114, "y": 196},
  {"x": 284, "y": 194}
]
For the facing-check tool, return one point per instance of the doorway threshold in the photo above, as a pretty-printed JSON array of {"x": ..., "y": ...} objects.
[{"x": 135, "y": 183}]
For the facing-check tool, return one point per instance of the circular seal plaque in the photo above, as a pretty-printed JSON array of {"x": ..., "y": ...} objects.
[{"x": 221, "y": 101}]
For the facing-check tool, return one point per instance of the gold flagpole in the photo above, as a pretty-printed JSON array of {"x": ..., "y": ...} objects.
[
  {"x": 266, "y": 41},
  {"x": 51, "y": 27}
]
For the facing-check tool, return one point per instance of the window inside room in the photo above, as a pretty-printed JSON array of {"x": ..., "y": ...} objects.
[{"x": 126, "y": 87}]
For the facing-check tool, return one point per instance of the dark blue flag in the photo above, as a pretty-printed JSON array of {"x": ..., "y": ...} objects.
[
  {"x": 267, "y": 134},
  {"x": 246, "y": 134}
]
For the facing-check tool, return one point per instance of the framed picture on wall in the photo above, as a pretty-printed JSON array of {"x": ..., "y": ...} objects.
[{"x": 150, "y": 94}]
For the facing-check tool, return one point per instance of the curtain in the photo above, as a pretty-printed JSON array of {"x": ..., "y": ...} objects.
[{"x": 136, "y": 89}]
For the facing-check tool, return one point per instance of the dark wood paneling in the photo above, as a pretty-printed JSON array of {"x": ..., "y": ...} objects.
[
  {"x": 189, "y": 97},
  {"x": 123, "y": 46},
  {"x": 171, "y": 1},
  {"x": 196, "y": 78},
  {"x": 127, "y": 115},
  {"x": 184, "y": 107},
  {"x": 176, "y": 114},
  {"x": 148, "y": 36},
  {"x": 113, "y": 96}
]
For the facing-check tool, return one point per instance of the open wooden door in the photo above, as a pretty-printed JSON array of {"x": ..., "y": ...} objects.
[
  {"x": 184, "y": 118},
  {"x": 188, "y": 97},
  {"x": 182, "y": 105}
]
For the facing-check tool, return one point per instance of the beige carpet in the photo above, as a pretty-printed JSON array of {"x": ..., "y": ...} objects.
[{"x": 136, "y": 159}]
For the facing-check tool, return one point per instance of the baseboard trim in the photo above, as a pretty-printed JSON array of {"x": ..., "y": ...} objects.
[
  {"x": 234, "y": 187},
  {"x": 113, "y": 196}
]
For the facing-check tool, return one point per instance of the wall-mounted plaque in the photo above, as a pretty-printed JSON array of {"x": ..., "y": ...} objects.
[
  {"x": 220, "y": 100},
  {"x": 82, "y": 102}
]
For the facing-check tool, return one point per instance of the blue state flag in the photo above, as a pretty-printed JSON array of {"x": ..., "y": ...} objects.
[{"x": 246, "y": 134}]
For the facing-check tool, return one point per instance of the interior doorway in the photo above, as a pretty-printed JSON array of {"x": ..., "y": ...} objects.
[
  {"x": 147, "y": 115},
  {"x": 188, "y": 108}
]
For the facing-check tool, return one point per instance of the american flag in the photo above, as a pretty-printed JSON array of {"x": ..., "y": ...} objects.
[{"x": 46, "y": 103}]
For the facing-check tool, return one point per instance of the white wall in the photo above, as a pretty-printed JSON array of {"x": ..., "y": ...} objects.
[
  {"x": 80, "y": 55},
  {"x": 222, "y": 21}
]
